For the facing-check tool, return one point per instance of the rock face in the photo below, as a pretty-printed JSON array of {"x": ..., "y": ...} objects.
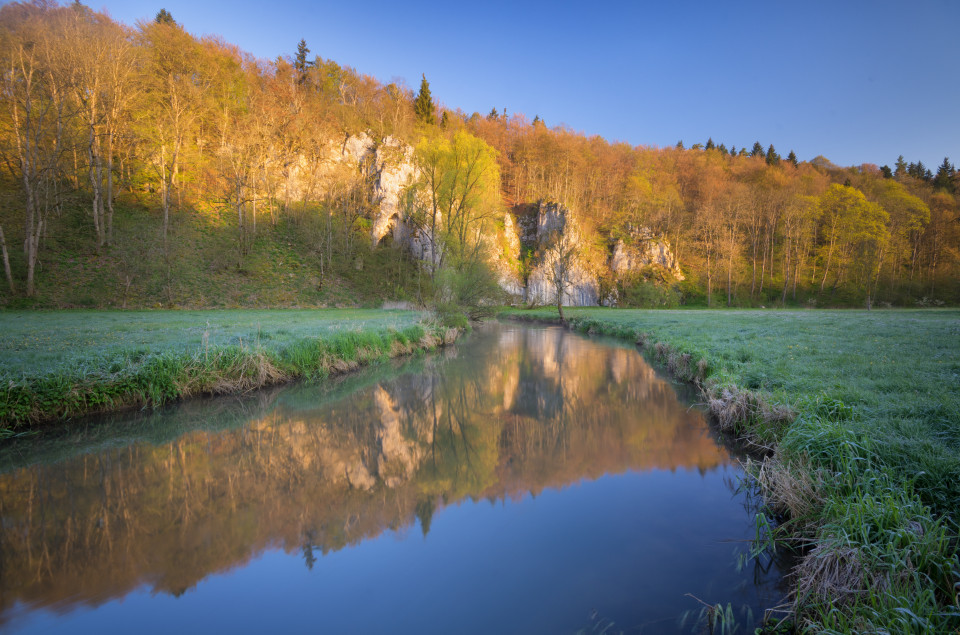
[
  {"x": 394, "y": 170},
  {"x": 388, "y": 167},
  {"x": 551, "y": 222},
  {"x": 506, "y": 249},
  {"x": 641, "y": 250}
]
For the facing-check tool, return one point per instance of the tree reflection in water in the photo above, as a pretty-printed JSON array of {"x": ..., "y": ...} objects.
[{"x": 509, "y": 411}]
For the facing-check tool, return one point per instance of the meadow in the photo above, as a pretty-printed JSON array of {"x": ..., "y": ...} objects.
[
  {"x": 65, "y": 364},
  {"x": 856, "y": 415}
]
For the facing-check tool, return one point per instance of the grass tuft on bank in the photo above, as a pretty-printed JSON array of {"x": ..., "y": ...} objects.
[
  {"x": 151, "y": 358},
  {"x": 857, "y": 416}
]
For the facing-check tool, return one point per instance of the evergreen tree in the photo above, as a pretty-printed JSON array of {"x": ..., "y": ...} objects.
[
  {"x": 444, "y": 119},
  {"x": 493, "y": 115},
  {"x": 722, "y": 148},
  {"x": 757, "y": 150},
  {"x": 900, "y": 167},
  {"x": 423, "y": 105},
  {"x": 772, "y": 157},
  {"x": 945, "y": 174},
  {"x": 710, "y": 144},
  {"x": 743, "y": 152},
  {"x": 680, "y": 145},
  {"x": 733, "y": 151},
  {"x": 886, "y": 171},
  {"x": 537, "y": 121},
  {"x": 300, "y": 62},
  {"x": 164, "y": 17},
  {"x": 792, "y": 158}
]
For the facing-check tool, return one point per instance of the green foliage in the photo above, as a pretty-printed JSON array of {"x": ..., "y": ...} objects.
[
  {"x": 648, "y": 294},
  {"x": 423, "y": 105},
  {"x": 164, "y": 17}
]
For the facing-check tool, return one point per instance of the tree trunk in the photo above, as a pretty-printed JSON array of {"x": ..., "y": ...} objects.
[{"x": 6, "y": 261}]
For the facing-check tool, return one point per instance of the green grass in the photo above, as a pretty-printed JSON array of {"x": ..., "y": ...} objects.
[
  {"x": 35, "y": 343},
  {"x": 69, "y": 363},
  {"x": 866, "y": 467}
]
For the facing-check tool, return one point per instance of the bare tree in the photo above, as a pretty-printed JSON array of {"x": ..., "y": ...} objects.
[{"x": 560, "y": 258}]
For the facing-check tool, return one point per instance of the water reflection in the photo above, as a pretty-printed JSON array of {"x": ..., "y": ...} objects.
[{"x": 511, "y": 411}]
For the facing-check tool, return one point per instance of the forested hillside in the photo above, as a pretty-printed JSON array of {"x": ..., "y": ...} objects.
[{"x": 142, "y": 166}]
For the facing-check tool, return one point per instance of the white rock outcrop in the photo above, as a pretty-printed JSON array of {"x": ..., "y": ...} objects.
[
  {"x": 643, "y": 249},
  {"x": 583, "y": 288}
]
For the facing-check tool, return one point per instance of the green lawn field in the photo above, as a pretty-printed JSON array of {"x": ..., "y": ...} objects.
[
  {"x": 36, "y": 343},
  {"x": 55, "y": 366}
]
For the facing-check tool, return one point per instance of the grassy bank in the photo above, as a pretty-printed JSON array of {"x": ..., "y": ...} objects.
[
  {"x": 858, "y": 416},
  {"x": 65, "y": 364}
]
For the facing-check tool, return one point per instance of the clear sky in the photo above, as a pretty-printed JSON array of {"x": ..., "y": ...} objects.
[{"x": 858, "y": 81}]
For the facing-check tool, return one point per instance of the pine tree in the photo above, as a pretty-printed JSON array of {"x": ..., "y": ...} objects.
[
  {"x": 710, "y": 144},
  {"x": 493, "y": 115},
  {"x": 300, "y": 63},
  {"x": 733, "y": 151},
  {"x": 722, "y": 148},
  {"x": 757, "y": 150},
  {"x": 537, "y": 121},
  {"x": 900, "y": 167},
  {"x": 444, "y": 119},
  {"x": 164, "y": 17},
  {"x": 945, "y": 174},
  {"x": 792, "y": 158},
  {"x": 680, "y": 145},
  {"x": 772, "y": 157},
  {"x": 886, "y": 171},
  {"x": 423, "y": 105}
]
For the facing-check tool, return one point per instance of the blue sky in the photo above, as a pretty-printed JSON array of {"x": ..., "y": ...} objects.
[{"x": 858, "y": 81}]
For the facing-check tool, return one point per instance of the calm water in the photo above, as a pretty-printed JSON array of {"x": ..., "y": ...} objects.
[{"x": 526, "y": 481}]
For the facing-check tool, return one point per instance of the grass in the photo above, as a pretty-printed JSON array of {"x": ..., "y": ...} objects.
[
  {"x": 857, "y": 416},
  {"x": 201, "y": 268},
  {"x": 58, "y": 365}
]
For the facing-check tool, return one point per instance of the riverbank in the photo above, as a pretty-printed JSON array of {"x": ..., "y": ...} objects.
[
  {"x": 61, "y": 365},
  {"x": 857, "y": 414}
]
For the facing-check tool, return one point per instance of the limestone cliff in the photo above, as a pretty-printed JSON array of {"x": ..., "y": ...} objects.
[
  {"x": 519, "y": 246},
  {"x": 643, "y": 249}
]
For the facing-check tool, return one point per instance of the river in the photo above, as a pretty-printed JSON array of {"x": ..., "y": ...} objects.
[{"x": 526, "y": 480}]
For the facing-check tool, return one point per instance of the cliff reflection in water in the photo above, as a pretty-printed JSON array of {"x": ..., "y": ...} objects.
[{"x": 510, "y": 411}]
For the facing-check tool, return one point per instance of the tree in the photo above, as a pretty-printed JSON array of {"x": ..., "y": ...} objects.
[
  {"x": 164, "y": 17},
  {"x": 710, "y": 145},
  {"x": 300, "y": 63},
  {"x": 757, "y": 150},
  {"x": 35, "y": 114},
  {"x": 452, "y": 206},
  {"x": 792, "y": 158},
  {"x": 772, "y": 157},
  {"x": 900, "y": 167},
  {"x": 945, "y": 174},
  {"x": 423, "y": 105},
  {"x": 560, "y": 259},
  {"x": 855, "y": 233}
]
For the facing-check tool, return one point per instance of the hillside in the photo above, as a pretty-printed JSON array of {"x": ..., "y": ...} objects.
[{"x": 146, "y": 167}]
